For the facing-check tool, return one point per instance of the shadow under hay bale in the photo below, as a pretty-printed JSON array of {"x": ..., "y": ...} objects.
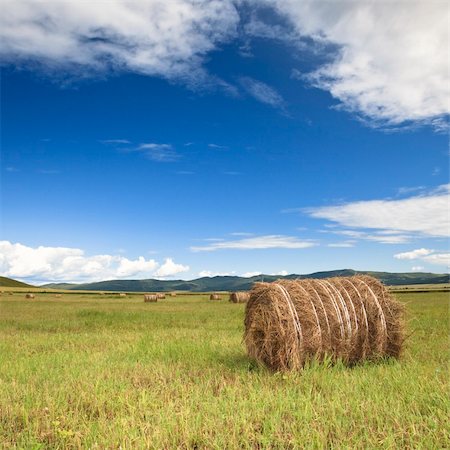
[
  {"x": 291, "y": 322},
  {"x": 239, "y": 297},
  {"x": 150, "y": 298},
  {"x": 214, "y": 297},
  {"x": 29, "y": 296}
]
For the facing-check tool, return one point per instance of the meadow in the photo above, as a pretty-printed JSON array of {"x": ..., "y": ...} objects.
[{"x": 91, "y": 371}]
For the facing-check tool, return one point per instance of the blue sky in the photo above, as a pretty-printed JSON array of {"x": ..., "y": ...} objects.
[{"x": 181, "y": 141}]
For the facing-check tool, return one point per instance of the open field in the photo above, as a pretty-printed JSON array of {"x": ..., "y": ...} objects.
[{"x": 91, "y": 371}]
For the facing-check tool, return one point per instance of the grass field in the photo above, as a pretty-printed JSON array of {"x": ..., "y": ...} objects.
[{"x": 102, "y": 372}]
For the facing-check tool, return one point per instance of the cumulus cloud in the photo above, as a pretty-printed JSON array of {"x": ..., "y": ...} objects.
[
  {"x": 153, "y": 37},
  {"x": 390, "y": 61},
  {"x": 251, "y": 274},
  {"x": 210, "y": 274},
  {"x": 421, "y": 215},
  {"x": 414, "y": 254},
  {"x": 72, "y": 265},
  {"x": 385, "y": 61},
  {"x": 417, "y": 268},
  {"x": 426, "y": 255},
  {"x": 260, "y": 242},
  {"x": 170, "y": 268}
]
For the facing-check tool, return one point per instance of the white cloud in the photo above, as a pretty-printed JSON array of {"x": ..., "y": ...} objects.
[
  {"x": 159, "y": 152},
  {"x": 209, "y": 273},
  {"x": 116, "y": 141},
  {"x": 417, "y": 268},
  {"x": 391, "y": 62},
  {"x": 153, "y": 37},
  {"x": 250, "y": 274},
  {"x": 170, "y": 268},
  {"x": 423, "y": 215},
  {"x": 72, "y": 265},
  {"x": 426, "y": 255},
  {"x": 414, "y": 254},
  {"x": 260, "y": 242},
  {"x": 441, "y": 259},
  {"x": 262, "y": 92},
  {"x": 345, "y": 244},
  {"x": 282, "y": 273}
]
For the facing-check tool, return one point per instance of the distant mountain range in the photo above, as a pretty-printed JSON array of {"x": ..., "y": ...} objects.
[{"x": 234, "y": 283}]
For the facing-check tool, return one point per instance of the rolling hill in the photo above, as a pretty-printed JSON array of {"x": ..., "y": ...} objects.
[
  {"x": 9, "y": 282},
  {"x": 232, "y": 283}
]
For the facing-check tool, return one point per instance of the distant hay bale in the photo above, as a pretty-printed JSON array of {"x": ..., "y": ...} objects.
[
  {"x": 122, "y": 294},
  {"x": 173, "y": 294},
  {"x": 288, "y": 323},
  {"x": 29, "y": 296},
  {"x": 150, "y": 298},
  {"x": 161, "y": 296},
  {"x": 239, "y": 297},
  {"x": 58, "y": 295},
  {"x": 214, "y": 297}
]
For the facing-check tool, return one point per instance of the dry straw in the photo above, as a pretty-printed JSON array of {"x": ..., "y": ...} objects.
[
  {"x": 288, "y": 323},
  {"x": 150, "y": 298},
  {"x": 214, "y": 297},
  {"x": 29, "y": 296},
  {"x": 239, "y": 297}
]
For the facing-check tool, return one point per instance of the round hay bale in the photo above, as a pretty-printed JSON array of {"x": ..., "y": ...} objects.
[
  {"x": 122, "y": 294},
  {"x": 239, "y": 297},
  {"x": 288, "y": 323},
  {"x": 150, "y": 298},
  {"x": 215, "y": 297},
  {"x": 161, "y": 296},
  {"x": 58, "y": 295},
  {"x": 29, "y": 296},
  {"x": 173, "y": 294}
]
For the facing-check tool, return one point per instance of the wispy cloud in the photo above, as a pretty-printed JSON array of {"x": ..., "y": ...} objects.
[
  {"x": 345, "y": 244},
  {"x": 218, "y": 147},
  {"x": 262, "y": 92},
  {"x": 231, "y": 173},
  {"x": 116, "y": 141},
  {"x": 259, "y": 242},
  {"x": 420, "y": 215},
  {"x": 159, "y": 152}
]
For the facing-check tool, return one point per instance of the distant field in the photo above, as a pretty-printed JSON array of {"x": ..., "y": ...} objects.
[{"x": 91, "y": 371}]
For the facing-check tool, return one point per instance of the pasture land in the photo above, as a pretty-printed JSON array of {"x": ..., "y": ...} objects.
[{"x": 91, "y": 371}]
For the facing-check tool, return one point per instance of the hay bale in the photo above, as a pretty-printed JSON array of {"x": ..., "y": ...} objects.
[
  {"x": 161, "y": 296},
  {"x": 122, "y": 294},
  {"x": 239, "y": 297},
  {"x": 288, "y": 323},
  {"x": 58, "y": 295},
  {"x": 214, "y": 297},
  {"x": 173, "y": 294},
  {"x": 29, "y": 296},
  {"x": 150, "y": 298}
]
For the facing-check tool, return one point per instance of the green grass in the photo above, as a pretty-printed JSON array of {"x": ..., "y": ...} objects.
[{"x": 103, "y": 372}]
